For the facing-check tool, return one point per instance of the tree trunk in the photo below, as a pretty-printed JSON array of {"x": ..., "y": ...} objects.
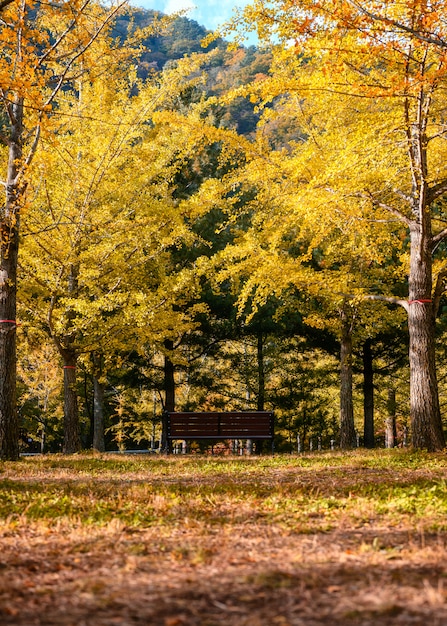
[
  {"x": 260, "y": 443},
  {"x": 347, "y": 429},
  {"x": 169, "y": 382},
  {"x": 98, "y": 415},
  {"x": 261, "y": 373},
  {"x": 425, "y": 414},
  {"x": 9, "y": 429},
  {"x": 169, "y": 385},
  {"x": 368, "y": 395},
  {"x": 9, "y": 233},
  {"x": 72, "y": 439},
  {"x": 390, "y": 421}
]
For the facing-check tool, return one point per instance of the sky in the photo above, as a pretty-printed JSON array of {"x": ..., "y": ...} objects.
[{"x": 208, "y": 13}]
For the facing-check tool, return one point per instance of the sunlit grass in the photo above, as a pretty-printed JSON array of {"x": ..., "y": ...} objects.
[{"x": 298, "y": 493}]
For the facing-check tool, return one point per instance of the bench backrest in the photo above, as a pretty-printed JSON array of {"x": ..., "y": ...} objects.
[{"x": 225, "y": 425}]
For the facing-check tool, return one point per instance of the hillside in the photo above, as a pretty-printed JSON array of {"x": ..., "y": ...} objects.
[{"x": 226, "y": 70}]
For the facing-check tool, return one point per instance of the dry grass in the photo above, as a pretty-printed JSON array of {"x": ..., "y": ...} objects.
[{"x": 355, "y": 539}]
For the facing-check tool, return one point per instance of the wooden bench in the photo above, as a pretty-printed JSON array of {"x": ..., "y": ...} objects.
[{"x": 195, "y": 425}]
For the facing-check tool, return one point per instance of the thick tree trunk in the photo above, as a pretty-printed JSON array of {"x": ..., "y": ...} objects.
[
  {"x": 9, "y": 247},
  {"x": 347, "y": 429},
  {"x": 98, "y": 416},
  {"x": 9, "y": 430},
  {"x": 368, "y": 395},
  {"x": 425, "y": 413},
  {"x": 72, "y": 440}
]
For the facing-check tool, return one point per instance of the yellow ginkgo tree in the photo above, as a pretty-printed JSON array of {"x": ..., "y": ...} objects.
[
  {"x": 367, "y": 81},
  {"x": 104, "y": 217},
  {"x": 44, "y": 46}
]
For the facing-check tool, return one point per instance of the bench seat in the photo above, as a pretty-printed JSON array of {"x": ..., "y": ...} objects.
[{"x": 219, "y": 425}]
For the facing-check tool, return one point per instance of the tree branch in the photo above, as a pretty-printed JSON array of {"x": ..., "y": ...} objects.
[
  {"x": 401, "y": 216},
  {"x": 93, "y": 38},
  {"x": 426, "y": 38},
  {"x": 63, "y": 35},
  {"x": 382, "y": 205},
  {"x": 437, "y": 239},
  {"x": 390, "y": 299},
  {"x": 437, "y": 190},
  {"x": 5, "y": 3}
]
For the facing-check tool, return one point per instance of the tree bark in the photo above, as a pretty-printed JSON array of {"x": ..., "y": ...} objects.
[
  {"x": 169, "y": 386},
  {"x": 67, "y": 349},
  {"x": 9, "y": 429},
  {"x": 260, "y": 404},
  {"x": 390, "y": 421},
  {"x": 261, "y": 372},
  {"x": 347, "y": 429},
  {"x": 425, "y": 414},
  {"x": 98, "y": 415},
  {"x": 368, "y": 395},
  {"x": 9, "y": 247},
  {"x": 72, "y": 439}
]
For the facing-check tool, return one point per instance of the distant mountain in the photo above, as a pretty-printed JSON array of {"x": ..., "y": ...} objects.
[
  {"x": 227, "y": 69},
  {"x": 183, "y": 37}
]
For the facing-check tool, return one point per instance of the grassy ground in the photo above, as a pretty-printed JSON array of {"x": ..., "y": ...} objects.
[{"x": 339, "y": 539}]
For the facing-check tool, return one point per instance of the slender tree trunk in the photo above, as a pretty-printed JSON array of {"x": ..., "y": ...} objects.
[
  {"x": 169, "y": 382},
  {"x": 9, "y": 247},
  {"x": 169, "y": 385},
  {"x": 260, "y": 444},
  {"x": 426, "y": 423},
  {"x": 72, "y": 439},
  {"x": 98, "y": 442},
  {"x": 368, "y": 395},
  {"x": 98, "y": 415},
  {"x": 261, "y": 372},
  {"x": 347, "y": 429},
  {"x": 390, "y": 421}
]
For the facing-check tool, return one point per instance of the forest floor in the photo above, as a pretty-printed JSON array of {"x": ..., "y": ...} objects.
[{"x": 329, "y": 538}]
